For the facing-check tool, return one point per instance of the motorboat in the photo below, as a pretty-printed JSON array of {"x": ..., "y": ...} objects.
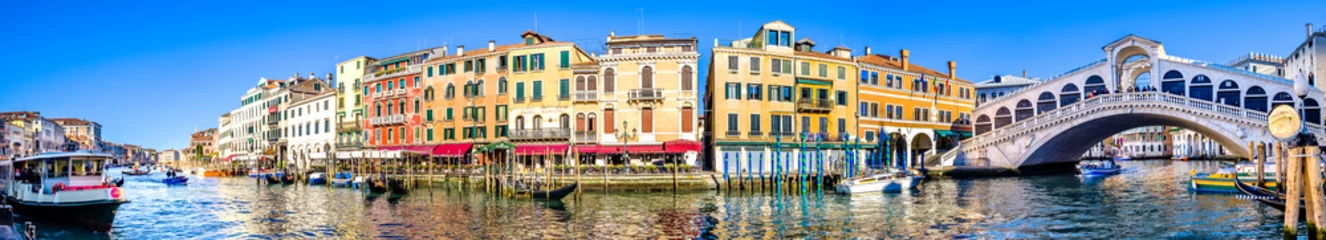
[
  {"x": 177, "y": 180},
  {"x": 892, "y": 181},
  {"x": 342, "y": 179},
  {"x": 317, "y": 178},
  {"x": 65, "y": 187},
  {"x": 1099, "y": 169},
  {"x": 358, "y": 182}
]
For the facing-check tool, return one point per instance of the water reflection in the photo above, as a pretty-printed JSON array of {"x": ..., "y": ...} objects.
[{"x": 1148, "y": 200}]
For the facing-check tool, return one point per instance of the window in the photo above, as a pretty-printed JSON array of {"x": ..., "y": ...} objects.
[
  {"x": 842, "y": 73},
  {"x": 824, "y": 125},
  {"x": 842, "y": 127},
  {"x": 732, "y": 91},
  {"x": 754, "y": 124},
  {"x": 520, "y": 92},
  {"x": 824, "y": 70},
  {"x": 430, "y": 135},
  {"x": 520, "y": 64},
  {"x": 501, "y": 85},
  {"x": 480, "y": 65},
  {"x": 449, "y": 116},
  {"x": 687, "y": 113},
  {"x": 863, "y": 109},
  {"x": 785, "y": 38},
  {"x": 805, "y": 68},
  {"x": 537, "y": 89},
  {"x": 773, "y": 38},
  {"x": 609, "y": 121},
  {"x": 774, "y": 124},
  {"x": 687, "y": 81},
  {"x": 888, "y": 112},
  {"x": 805, "y": 124},
  {"x": 787, "y": 66},
  {"x": 647, "y": 77},
  {"x": 842, "y": 98},
  {"x": 564, "y": 59},
  {"x": 428, "y": 115},
  {"x": 536, "y": 61},
  {"x": 416, "y": 105},
  {"x": 755, "y": 65},
  {"x": 430, "y": 71},
  {"x": 753, "y": 91},
  {"x": 775, "y": 65},
  {"x": 608, "y": 78},
  {"x": 732, "y": 63},
  {"x": 732, "y": 122},
  {"x": 647, "y": 120},
  {"x": 564, "y": 89}
]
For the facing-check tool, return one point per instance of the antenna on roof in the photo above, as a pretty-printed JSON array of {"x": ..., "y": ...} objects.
[
  {"x": 641, "y": 24},
  {"x": 536, "y": 22}
]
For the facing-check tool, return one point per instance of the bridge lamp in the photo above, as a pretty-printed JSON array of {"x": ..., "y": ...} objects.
[{"x": 1301, "y": 88}]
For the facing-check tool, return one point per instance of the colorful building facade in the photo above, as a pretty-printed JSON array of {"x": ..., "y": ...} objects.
[
  {"x": 541, "y": 110},
  {"x": 918, "y": 110},
  {"x": 392, "y": 95},
  {"x": 349, "y": 102},
  {"x": 466, "y": 97}
]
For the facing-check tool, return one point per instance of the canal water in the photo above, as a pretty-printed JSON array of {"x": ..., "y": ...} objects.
[{"x": 1149, "y": 200}]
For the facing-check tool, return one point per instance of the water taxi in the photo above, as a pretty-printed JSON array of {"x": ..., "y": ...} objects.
[
  {"x": 63, "y": 186},
  {"x": 1099, "y": 169},
  {"x": 892, "y": 181}
]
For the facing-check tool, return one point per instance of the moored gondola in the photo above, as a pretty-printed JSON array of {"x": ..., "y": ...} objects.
[
  {"x": 555, "y": 194},
  {"x": 1270, "y": 198}
]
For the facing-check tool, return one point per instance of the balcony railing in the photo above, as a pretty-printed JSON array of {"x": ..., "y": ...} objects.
[
  {"x": 400, "y": 92},
  {"x": 536, "y": 98},
  {"x": 587, "y": 96},
  {"x": 531, "y": 134},
  {"x": 645, "y": 94},
  {"x": 520, "y": 99},
  {"x": 755, "y": 134},
  {"x": 582, "y": 136},
  {"x": 731, "y": 133},
  {"x": 377, "y": 94},
  {"x": 815, "y": 105}
]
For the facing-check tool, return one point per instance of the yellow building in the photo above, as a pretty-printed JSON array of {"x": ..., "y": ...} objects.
[
  {"x": 917, "y": 109},
  {"x": 643, "y": 110},
  {"x": 540, "y": 77},
  {"x": 349, "y": 110},
  {"x": 466, "y": 99},
  {"x": 769, "y": 98}
]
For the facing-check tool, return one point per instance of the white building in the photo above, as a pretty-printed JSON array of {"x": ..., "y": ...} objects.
[
  {"x": 1193, "y": 145},
  {"x": 1000, "y": 85},
  {"x": 1260, "y": 63},
  {"x": 247, "y": 124},
  {"x": 169, "y": 156},
  {"x": 224, "y": 143},
  {"x": 1307, "y": 59},
  {"x": 309, "y": 130},
  {"x": 1144, "y": 142}
]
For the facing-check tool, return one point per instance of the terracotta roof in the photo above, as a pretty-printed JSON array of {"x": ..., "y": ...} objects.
[
  {"x": 886, "y": 61},
  {"x": 471, "y": 53},
  {"x": 71, "y": 121},
  {"x": 822, "y": 55}
]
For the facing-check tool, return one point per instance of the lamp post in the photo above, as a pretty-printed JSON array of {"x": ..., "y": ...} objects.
[
  {"x": 624, "y": 136},
  {"x": 1301, "y": 88}
]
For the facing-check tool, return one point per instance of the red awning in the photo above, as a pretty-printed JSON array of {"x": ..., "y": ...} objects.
[
  {"x": 451, "y": 150},
  {"x": 390, "y": 148},
  {"x": 598, "y": 149},
  {"x": 644, "y": 148},
  {"x": 422, "y": 149},
  {"x": 682, "y": 146},
  {"x": 540, "y": 149}
]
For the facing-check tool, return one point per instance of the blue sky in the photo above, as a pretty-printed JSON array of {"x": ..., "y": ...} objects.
[{"x": 152, "y": 71}]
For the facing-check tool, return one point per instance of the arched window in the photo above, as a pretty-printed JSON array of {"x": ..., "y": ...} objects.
[
  {"x": 402, "y": 105},
  {"x": 520, "y": 123},
  {"x": 1200, "y": 88},
  {"x": 1095, "y": 84},
  {"x": 451, "y": 91},
  {"x": 687, "y": 82},
  {"x": 428, "y": 93},
  {"x": 589, "y": 124},
  {"x": 501, "y": 85},
  {"x": 608, "y": 76},
  {"x": 469, "y": 89},
  {"x": 1045, "y": 103},
  {"x": 1282, "y": 98},
  {"x": 1255, "y": 99},
  {"x": 1069, "y": 95},
  {"x": 377, "y": 108},
  {"x": 1228, "y": 93},
  {"x": 1311, "y": 111},
  {"x": 647, "y": 77},
  {"x": 564, "y": 122},
  {"x": 1003, "y": 117},
  {"x": 580, "y": 83},
  {"x": 580, "y": 122},
  {"x": 1172, "y": 83},
  {"x": 982, "y": 125},
  {"x": 538, "y": 122},
  {"x": 592, "y": 83},
  {"x": 416, "y": 105},
  {"x": 1023, "y": 111},
  {"x": 478, "y": 88}
]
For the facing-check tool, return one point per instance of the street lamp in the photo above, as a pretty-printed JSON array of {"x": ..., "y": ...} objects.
[
  {"x": 625, "y": 136},
  {"x": 1301, "y": 88}
]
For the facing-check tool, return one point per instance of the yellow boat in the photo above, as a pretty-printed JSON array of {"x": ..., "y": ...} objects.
[{"x": 1220, "y": 182}]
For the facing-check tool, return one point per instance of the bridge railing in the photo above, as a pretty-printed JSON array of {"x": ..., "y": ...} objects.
[{"x": 1023, "y": 127}]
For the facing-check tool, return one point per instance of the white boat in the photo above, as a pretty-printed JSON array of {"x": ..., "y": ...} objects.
[
  {"x": 63, "y": 186},
  {"x": 341, "y": 179},
  {"x": 884, "y": 182}
]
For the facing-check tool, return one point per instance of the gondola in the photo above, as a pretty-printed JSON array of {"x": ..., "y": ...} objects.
[
  {"x": 271, "y": 178},
  {"x": 119, "y": 182},
  {"x": 555, "y": 194},
  {"x": 1268, "y": 197},
  {"x": 288, "y": 179},
  {"x": 137, "y": 172},
  {"x": 377, "y": 185},
  {"x": 397, "y": 186}
]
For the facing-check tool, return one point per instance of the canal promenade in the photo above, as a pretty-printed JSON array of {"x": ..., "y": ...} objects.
[{"x": 1149, "y": 200}]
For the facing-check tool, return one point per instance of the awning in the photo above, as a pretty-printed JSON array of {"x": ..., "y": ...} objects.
[
  {"x": 422, "y": 149},
  {"x": 390, "y": 148},
  {"x": 451, "y": 150},
  {"x": 682, "y": 146},
  {"x": 391, "y": 61},
  {"x": 497, "y": 146},
  {"x": 227, "y": 158},
  {"x": 644, "y": 148},
  {"x": 965, "y": 134},
  {"x": 598, "y": 149},
  {"x": 540, "y": 149},
  {"x": 813, "y": 81},
  {"x": 945, "y": 133}
]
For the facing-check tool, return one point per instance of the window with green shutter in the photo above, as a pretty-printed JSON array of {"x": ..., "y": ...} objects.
[
  {"x": 428, "y": 115},
  {"x": 538, "y": 90},
  {"x": 449, "y": 115},
  {"x": 520, "y": 91},
  {"x": 565, "y": 59},
  {"x": 430, "y": 71},
  {"x": 430, "y": 134},
  {"x": 564, "y": 89}
]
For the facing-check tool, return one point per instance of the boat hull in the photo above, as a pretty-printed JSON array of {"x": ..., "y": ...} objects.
[
  {"x": 98, "y": 216},
  {"x": 175, "y": 181},
  {"x": 555, "y": 194},
  {"x": 1207, "y": 184}
]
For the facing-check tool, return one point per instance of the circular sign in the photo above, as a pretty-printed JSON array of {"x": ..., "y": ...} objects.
[{"x": 1284, "y": 122}]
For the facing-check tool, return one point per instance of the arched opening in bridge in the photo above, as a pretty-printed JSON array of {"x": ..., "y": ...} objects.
[
  {"x": 1228, "y": 93},
  {"x": 1003, "y": 117},
  {"x": 982, "y": 125},
  {"x": 1069, "y": 94},
  {"x": 1045, "y": 103},
  {"x": 1146, "y": 132},
  {"x": 1023, "y": 111},
  {"x": 1282, "y": 98},
  {"x": 1200, "y": 88},
  {"x": 1131, "y": 63},
  {"x": 1172, "y": 83},
  {"x": 1255, "y": 99},
  {"x": 1095, "y": 85}
]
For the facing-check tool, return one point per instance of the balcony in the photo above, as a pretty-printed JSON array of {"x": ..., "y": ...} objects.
[
  {"x": 541, "y": 134},
  {"x": 520, "y": 99},
  {"x": 814, "y": 105},
  {"x": 587, "y": 96},
  {"x": 731, "y": 133},
  {"x": 582, "y": 136},
  {"x": 392, "y": 119},
  {"x": 755, "y": 134},
  {"x": 645, "y": 94},
  {"x": 377, "y": 95},
  {"x": 400, "y": 92},
  {"x": 536, "y": 98}
]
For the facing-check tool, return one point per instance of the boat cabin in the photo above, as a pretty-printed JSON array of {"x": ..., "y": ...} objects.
[{"x": 66, "y": 169}]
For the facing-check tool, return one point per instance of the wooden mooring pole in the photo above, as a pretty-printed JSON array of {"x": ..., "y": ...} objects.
[{"x": 1317, "y": 213}]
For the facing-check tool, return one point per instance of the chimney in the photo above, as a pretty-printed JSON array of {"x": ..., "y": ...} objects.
[
  {"x": 460, "y": 50},
  {"x": 612, "y": 33},
  {"x": 902, "y": 54},
  {"x": 1024, "y": 73},
  {"x": 952, "y": 68},
  {"x": 492, "y": 45},
  {"x": 311, "y": 75},
  {"x": 329, "y": 79},
  {"x": 867, "y": 50}
]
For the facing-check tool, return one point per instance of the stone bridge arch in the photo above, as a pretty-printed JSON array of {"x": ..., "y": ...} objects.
[{"x": 1073, "y": 140}]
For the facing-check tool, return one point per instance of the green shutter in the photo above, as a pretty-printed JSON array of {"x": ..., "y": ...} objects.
[
  {"x": 520, "y": 90},
  {"x": 566, "y": 59},
  {"x": 538, "y": 89},
  {"x": 430, "y": 71},
  {"x": 449, "y": 114},
  {"x": 565, "y": 86},
  {"x": 429, "y": 115},
  {"x": 430, "y": 134},
  {"x": 541, "y": 61}
]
